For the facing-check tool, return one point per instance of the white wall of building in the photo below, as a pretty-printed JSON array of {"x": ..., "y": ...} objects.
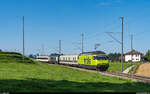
[
  {"x": 133, "y": 58},
  {"x": 127, "y": 58}
]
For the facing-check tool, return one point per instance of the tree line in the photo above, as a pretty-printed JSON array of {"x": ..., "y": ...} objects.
[{"x": 113, "y": 57}]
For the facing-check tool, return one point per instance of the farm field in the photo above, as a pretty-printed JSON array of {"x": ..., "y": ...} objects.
[
  {"x": 116, "y": 66},
  {"x": 144, "y": 69},
  {"x": 31, "y": 76}
]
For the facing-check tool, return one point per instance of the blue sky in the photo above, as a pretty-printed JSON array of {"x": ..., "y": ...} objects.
[{"x": 48, "y": 21}]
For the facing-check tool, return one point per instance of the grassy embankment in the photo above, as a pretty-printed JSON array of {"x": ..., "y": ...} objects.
[
  {"x": 30, "y": 76},
  {"x": 116, "y": 66},
  {"x": 134, "y": 69}
]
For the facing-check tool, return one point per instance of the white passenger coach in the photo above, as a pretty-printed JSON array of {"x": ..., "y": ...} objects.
[
  {"x": 43, "y": 58},
  {"x": 69, "y": 59}
]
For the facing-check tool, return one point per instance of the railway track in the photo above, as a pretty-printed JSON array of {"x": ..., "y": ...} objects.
[
  {"x": 130, "y": 76},
  {"x": 137, "y": 78}
]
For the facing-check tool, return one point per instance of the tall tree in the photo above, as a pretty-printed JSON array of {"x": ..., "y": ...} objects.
[
  {"x": 114, "y": 56},
  {"x": 31, "y": 56},
  {"x": 54, "y": 54},
  {"x": 147, "y": 56}
]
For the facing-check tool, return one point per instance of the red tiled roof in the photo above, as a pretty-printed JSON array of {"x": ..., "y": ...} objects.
[{"x": 134, "y": 52}]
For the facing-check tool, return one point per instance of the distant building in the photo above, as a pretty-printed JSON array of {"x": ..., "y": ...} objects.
[{"x": 133, "y": 56}]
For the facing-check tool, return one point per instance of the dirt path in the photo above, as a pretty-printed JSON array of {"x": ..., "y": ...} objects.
[{"x": 144, "y": 69}]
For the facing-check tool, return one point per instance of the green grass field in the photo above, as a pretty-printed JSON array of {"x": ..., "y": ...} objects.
[
  {"x": 116, "y": 66},
  {"x": 30, "y": 76}
]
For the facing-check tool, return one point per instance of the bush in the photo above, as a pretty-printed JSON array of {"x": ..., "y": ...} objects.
[
  {"x": 1, "y": 52},
  {"x": 31, "y": 56},
  {"x": 147, "y": 56}
]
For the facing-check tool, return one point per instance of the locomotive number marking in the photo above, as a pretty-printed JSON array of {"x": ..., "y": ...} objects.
[{"x": 87, "y": 61}]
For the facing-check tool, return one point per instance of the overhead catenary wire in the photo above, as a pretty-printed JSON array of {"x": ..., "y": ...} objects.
[
  {"x": 89, "y": 36},
  {"x": 135, "y": 20},
  {"x": 122, "y": 23},
  {"x": 93, "y": 35},
  {"x": 106, "y": 25},
  {"x": 113, "y": 38}
]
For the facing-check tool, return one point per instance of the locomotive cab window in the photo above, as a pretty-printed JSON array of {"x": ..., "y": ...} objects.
[
  {"x": 100, "y": 58},
  {"x": 94, "y": 57}
]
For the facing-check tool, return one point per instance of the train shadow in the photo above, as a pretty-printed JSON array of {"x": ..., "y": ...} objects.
[{"x": 42, "y": 85}]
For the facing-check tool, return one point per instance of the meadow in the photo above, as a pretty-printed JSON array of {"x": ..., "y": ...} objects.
[{"x": 31, "y": 76}]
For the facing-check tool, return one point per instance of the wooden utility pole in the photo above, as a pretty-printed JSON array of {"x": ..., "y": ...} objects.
[{"x": 122, "y": 45}]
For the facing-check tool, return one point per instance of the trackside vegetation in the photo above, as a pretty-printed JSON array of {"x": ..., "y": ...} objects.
[
  {"x": 134, "y": 69},
  {"x": 116, "y": 66},
  {"x": 32, "y": 76}
]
